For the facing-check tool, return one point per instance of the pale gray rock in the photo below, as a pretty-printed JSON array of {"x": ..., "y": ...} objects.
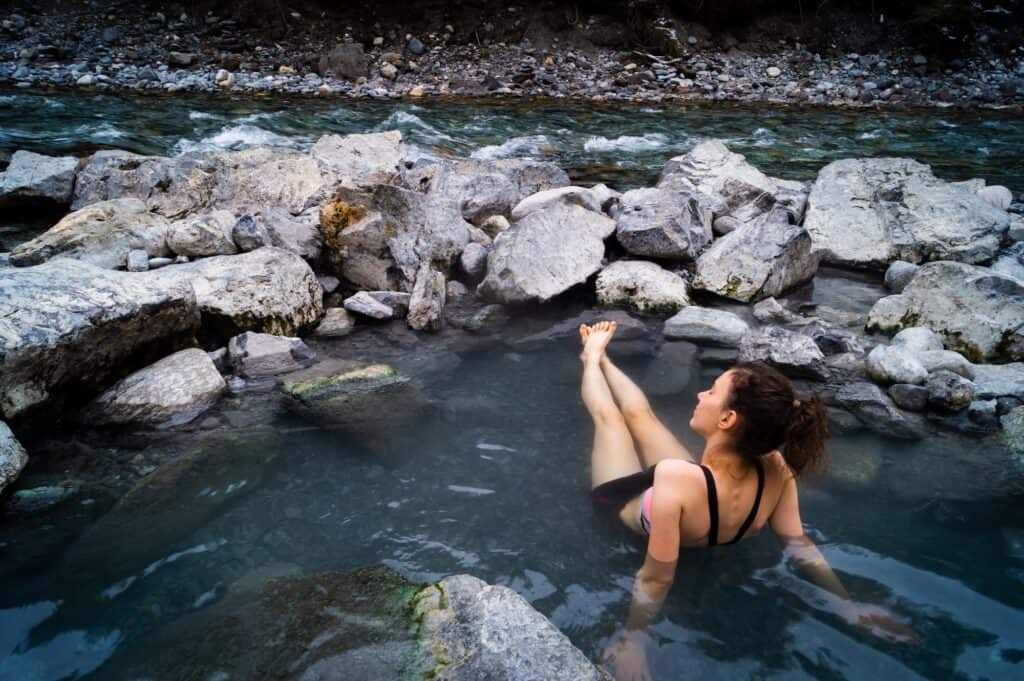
[
  {"x": 474, "y": 261},
  {"x": 337, "y": 322},
  {"x": 267, "y": 290},
  {"x": 979, "y": 313},
  {"x": 770, "y": 310},
  {"x": 592, "y": 198},
  {"x": 263, "y": 354},
  {"x": 101, "y": 235},
  {"x": 1016, "y": 230},
  {"x": 870, "y": 212},
  {"x": 705, "y": 326},
  {"x": 918, "y": 339},
  {"x": 949, "y": 392},
  {"x": 33, "y": 177},
  {"x": 763, "y": 258},
  {"x": 642, "y": 286},
  {"x": 426, "y": 304},
  {"x": 248, "y": 235},
  {"x": 54, "y": 317},
  {"x": 13, "y": 457},
  {"x": 496, "y": 224},
  {"x": 203, "y": 235},
  {"x": 328, "y": 283},
  {"x": 361, "y": 159},
  {"x": 739, "y": 192},
  {"x": 157, "y": 263},
  {"x": 478, "y": 631},
  {"x": 219, "y": 357},
  {"x": 899, "y": 274},
  {"x": 997, "y": 195},
  {"x": 398, "y": 301},
  {"x": 999, "y": 380},
  {"x": 545, "y": 254},
  {"x": 876, "y": 411},
  {"x": 909, "y": 397},
  {"x": 791, "y": 353},
  {"x": 946, "y": 360},
  {"x": 663, "y": 223},
  {"x": 299, "y": 234},
  {"x": 455, "y": 289},
  {"x": 168, "y": 393},
  {"x": 895, "y": 364},
  {"x": 138, "y": 260},
  {"x": 482, "y": 188},
  {"x": 363, "y": 303}
]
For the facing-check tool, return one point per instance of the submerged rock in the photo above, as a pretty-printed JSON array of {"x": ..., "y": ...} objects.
[
  {"x": 102, "y": 234},
  {"x": 870, "y": 212},
  {"x": 33, "y": 177},
  {"x": 267, "y": 290},
  {"x": 170, "y": 392},
  {"x": 663, "y": 223},
  {"x": 763, "y": 258},
  {"x": 1013, "y": 431},
  {"x": 12, "y": 457},
  {"x": 545, "y": 254},
  {"x": 69, "y": 330},
  {"x": 979, "y": 313},
  {"x": 643, "y": 286},
  {"x": 703, "y": 325}
]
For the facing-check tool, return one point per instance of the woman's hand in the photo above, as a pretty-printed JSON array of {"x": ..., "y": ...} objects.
[
  {"x": 880, "y": 622},
  {"x": 627, "y": 656}
]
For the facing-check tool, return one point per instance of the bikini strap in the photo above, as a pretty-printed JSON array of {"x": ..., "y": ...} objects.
[
  {"x": 757, "y": 503},
  {"x": 712, "y": 505}
]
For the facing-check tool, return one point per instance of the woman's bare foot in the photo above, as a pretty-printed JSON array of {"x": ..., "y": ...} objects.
[{"x": 595, "y": 340}]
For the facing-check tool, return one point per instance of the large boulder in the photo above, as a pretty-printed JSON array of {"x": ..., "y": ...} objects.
[
  {"x": 170, "y": 392},
  {"x": 979, "y": 313},
  {"x": 545, "y": 254},
  {"x": 663, "y": 223},
  {"x": 203, "y": 235},
  {"x": 346, "y": 61},
  {"x": 738, "y": 192},
  {"x": 33, "y": 177},
  {"x": 761, "y": 259},
  {"x": 69, "y": 330},
  {"x": 268, "y": 290},
  {"x": 999, "y": 380},
  {"x": 791, "y": 353},
  {"x": 101, "y": 234},
  {"x": 484, "y": 188},
  {"x": 870, "y": 212},
  {"x": 12, "y": 457},
  {"x": 170, "y": 187},
  {"x": 876, "y": 411},
  {"x": 361, "y": 159},
  {"x": 478, "y": 631},
  {"x": 706, "y": 326},
  {"x": 594, "y": 198},
  {"x": 642, "y": 286}
]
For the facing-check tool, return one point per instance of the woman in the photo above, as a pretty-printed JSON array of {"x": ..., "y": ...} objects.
[{"x": 759, "y": 438}]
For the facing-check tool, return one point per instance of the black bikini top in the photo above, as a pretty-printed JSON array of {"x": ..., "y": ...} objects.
[{"x": 713, "y": 505}]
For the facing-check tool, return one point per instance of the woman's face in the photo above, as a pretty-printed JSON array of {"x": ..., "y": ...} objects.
[{"x": 712, "y": 412}]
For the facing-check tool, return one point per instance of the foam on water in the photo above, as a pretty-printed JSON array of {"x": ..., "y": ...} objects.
[
  {"x": 527, "y": 146},
  {"x": 405, "y": 121},
  {"x": 647, "y": 142},
  {"x": 235, "y": 137}
]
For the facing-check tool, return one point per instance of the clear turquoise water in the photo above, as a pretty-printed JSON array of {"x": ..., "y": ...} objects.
[{"x": 494, "y": 483}]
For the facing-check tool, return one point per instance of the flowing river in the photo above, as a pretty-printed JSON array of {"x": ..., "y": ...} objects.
[{"x": 493, "y": 481}]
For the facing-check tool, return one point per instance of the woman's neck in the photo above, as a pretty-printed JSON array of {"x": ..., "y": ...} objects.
[{"x": 721, "y": 453}]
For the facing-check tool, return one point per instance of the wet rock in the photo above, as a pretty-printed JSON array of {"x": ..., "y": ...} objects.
[
  {"x": 663, "y": 223},
  {"x": 703, "y": 325},
  {"x": 33, "y": 177},
  {"x": 13, "y": 457},
  {"x": 337, "y": 322},
  {"x": 999, "y": 380},
  {"x": 791, "y": 353},
  {"x": 984, "y": 414},
  {"x": 168, "y": 393},
  {"x": 68, "y": 330},
  {"x": 545, "y": 254},
  {"x": 248, "y": 235},
  {"x": 876, "y": 412},
  {"x": 898, "y": 275},
  {"x": 949, "y": 392},
  {"x": 267, "y": 290},
  {"x": 642, "y": 286},
  {"x": 833, "y": 341},
  {"x": 345, "y": 61},
  {"x": 361, "y": 160},
  {"x": 895, "y": 364},
  {"x": 739, "y": 192},
  {"x": 364, "y": 304},
  {"x": 979, "y": 313},
  {"x": 870, "y": 212},
  {"x": 763, "y": 258},
  {"x": 909, "y": 397},
  {"x": 370, "y": 400},
  {"x": 593, "y": 198},
  {"x": 101, "y": 234},
  {"x": 1013, "y": 431},
  {"x": 203, "y": 235},
  {"x": 672, "y": 369},
  {"x": 262, "y": 354},
  {"x": 426, "y": 304}
]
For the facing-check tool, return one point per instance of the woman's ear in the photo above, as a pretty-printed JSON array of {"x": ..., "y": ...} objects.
[{"x": 728, "y": 419}]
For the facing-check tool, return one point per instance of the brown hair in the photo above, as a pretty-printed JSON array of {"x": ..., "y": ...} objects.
[{"x": 771, "y": 417}]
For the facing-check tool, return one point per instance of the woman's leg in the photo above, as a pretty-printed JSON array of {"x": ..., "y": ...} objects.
[{"x": 613, "y": 455}]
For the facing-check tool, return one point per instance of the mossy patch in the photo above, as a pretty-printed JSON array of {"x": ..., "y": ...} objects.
[{"x": 361, "y": 374}]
